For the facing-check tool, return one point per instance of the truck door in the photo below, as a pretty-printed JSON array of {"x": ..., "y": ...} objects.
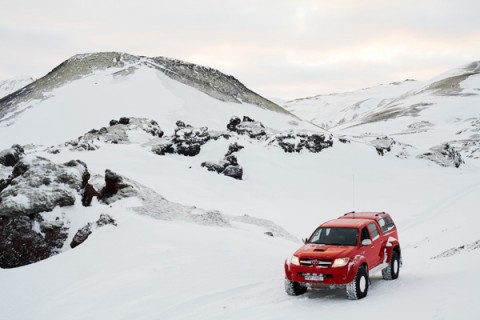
[{"x": 372, "y": 252}]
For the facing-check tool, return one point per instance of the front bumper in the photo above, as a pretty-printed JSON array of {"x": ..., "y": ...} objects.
[{"x": 331, "y": 276}]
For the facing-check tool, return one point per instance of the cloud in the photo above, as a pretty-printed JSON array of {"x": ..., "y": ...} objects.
[{"x": 278, "y": 48}]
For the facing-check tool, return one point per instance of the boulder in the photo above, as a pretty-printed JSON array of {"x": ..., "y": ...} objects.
[
  {"x": 186, "y": 141},
  {"x": 228, "y": 166},
  {"x": 233, "y": 147},
  {"x": 247, "y": 126},
  {"x": 20, "y": 244},
  {"x": 84, "y": 232},
  {"x": 234, "y": 171},
  {"x": 383, "y": 144},
  {"x": 81, "y": 235},
  {"x": 115, "y": 188},
  {"x": 11, "y": 156},
  {"x": 39, "y": 185}
]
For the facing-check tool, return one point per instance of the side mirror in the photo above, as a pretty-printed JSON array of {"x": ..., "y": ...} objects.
[
  {"x": 366, "y": 242},
  {"x": 304, "y": 240}
]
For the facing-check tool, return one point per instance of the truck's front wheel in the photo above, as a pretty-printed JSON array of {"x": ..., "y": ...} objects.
[
  {"x": 294, "y": 288},
  {"x": 358, "y": 288}
]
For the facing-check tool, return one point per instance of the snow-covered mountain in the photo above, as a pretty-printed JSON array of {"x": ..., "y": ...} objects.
[
  {"x": 11, "y": 85},
  {"x": 420, "y": 114},
  {"x": 118, "y": 158},
  {"x": 79, "y": 89}
]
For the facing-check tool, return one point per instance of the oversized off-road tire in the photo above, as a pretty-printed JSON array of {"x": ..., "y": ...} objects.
[
  {"x": 294, "y": 288},
  {"x": 358, "y": 288},
  {"x": 391, "y": 272}
]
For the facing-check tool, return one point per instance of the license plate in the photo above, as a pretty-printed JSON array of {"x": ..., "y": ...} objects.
[{"x": 313, "y": 277}]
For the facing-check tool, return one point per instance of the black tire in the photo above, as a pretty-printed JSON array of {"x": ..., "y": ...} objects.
[
  {"x": 294, "y": 288},
  {"x": 358, "y": 288},
  {"x": 391, "y": 272}
]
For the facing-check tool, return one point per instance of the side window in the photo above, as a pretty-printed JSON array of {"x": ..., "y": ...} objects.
[
  {"x": 373, "y": 231},
  {"x": 365, "y": 234},
  {"x": 386, "y": 223}
]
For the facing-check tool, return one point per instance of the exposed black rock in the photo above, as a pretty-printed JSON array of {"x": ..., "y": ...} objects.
[
  {"x": 234, "y": 171},
  {"x": 163, "y": 148},
  {"x": 444, "y": 155},
  {"x": 115, "y": 188},
  {"x": 20, "y": 244},
  {"x": 39, "y": 185},
  {"x": 104, "y": 220},
  {"x": 186, "y": 141},
  {"x": 229, "y": 165},
  {"x": 116, "y": 133},
  {"x": 124, "y": 120},
  {"x": 11, "y": 156},
  {"x": 233, "y": 147},
  {"x": 297, "y": 141},
  {"x": 54, "y": 232},
  {"x": 383, "y": 144},
  {"x": 247, "y": 126},
  {"x": 83, "y": 233},
  {"x": 218, "y": 167}
]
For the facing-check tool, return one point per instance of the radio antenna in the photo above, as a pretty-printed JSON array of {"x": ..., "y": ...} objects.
[{"x": 353, "y": 191}]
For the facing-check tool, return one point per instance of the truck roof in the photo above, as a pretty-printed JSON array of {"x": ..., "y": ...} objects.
[
  {"x": 364, "y": 215},
  {"x": 346, "y": 223}
]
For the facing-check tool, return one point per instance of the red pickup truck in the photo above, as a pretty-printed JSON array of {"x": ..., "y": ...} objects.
[{"x": 343, "y": 253}]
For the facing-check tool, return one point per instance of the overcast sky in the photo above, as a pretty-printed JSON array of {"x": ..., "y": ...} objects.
[{"x": 280, "y": 49}]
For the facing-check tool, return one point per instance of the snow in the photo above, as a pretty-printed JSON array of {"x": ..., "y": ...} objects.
[
  {"x": 148, "y": 268},
  {"x": 13, "y": 84}
]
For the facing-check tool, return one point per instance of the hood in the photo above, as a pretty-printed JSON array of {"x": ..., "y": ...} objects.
[{"x": 322, "y": 251}]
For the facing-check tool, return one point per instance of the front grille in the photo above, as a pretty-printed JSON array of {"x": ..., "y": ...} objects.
[{"x": 316, "y": 262}]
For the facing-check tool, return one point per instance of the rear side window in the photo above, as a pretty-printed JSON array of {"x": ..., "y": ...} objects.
[
  {"x": 386, "y": 223},
  {"x": 373, "y": 231}
]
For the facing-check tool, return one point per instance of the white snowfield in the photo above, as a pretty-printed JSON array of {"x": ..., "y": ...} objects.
[{"x": 149, "y": 268}]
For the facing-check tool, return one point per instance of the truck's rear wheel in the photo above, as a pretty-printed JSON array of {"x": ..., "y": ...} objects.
[
  {"x": 294, "y": 288},
  {"x": 391, "y": 272},
  {"x": 358, "y": 288}
]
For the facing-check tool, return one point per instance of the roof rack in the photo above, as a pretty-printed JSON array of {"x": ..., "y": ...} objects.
[{"x": 349, "y": 213}]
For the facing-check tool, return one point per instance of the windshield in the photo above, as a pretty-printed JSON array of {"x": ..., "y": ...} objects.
[{"x": 335, "y": 236}]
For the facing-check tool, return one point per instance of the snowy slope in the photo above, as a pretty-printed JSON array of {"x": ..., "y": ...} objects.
[
  {"x": 420, "y": 114},
  {"x": 11, "y": 85},
  {"x": 331, "y": 110},
  {"x": 149, "y": 268}
]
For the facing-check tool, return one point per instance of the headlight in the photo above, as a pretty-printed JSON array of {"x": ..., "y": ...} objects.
[
  {"x": 340, "y": 262},
  {"x": 295, "y": 261}
]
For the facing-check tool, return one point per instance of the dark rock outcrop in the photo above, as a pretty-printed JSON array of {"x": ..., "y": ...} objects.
[
  {"x": 232, "y": 148},
  {"x": 297, "y": 141},
  {"x": 444, "y": 155},
  {"x": 39, "y": 185},
  {"x": 383, "y": 145},
  {"x": 247, "y": 126},
  {"x": 186, "y": 141},
  {"x": 20, "y": 244},
  {"x": 83, "y": 233},
  {"x": 115, "y": 188},
  {"x": 228, "y": 166},
  {"x": 116, "y": 133},
  {"x": 11, "y": 156},
  {"x": 233, "y": 171}
]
